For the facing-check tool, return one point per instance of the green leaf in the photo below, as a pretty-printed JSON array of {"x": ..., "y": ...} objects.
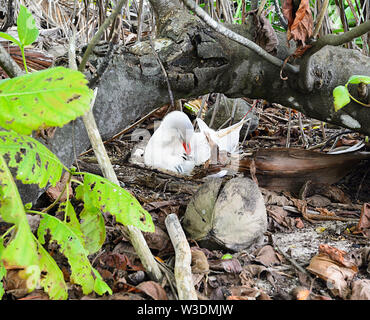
[
  {"x": 52, "y": 280},
  {"x": 48, "y": 98},
  {"x": 34, "y": 162},
  {"x": 10, "y": 38},
  {"x": 2, "y": 270},
  {"x": 71, "y": 247},
  {"x": 26, "y": 27},
  {"x": 358, "y": 79},
  {"x": 341, "y": 97},
  {"x": 71, "y": 219},
  {"x": 227, "y": 256},
  {"x": 11, "y": 206},
  {"x": 23, "y": 251},
  {"x": 112, "y": 199},
  {"x": 92, "y": 226}
]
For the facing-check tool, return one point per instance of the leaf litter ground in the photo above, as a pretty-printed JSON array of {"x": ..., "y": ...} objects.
[{"x": 275, "y": 269}]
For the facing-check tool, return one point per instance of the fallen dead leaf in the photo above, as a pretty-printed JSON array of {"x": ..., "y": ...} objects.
[
  {"x": 363, "y": 225},
  {"x": 247, "y": 293},
  {"x": 199, "y": 261},
  {"x": 300, "y": 293},
  {"x": 54, "y": 192},
  {"x": 332, "y": 271},
  {"x": 153, "y": 289},
  {"x": 267, "y": 256},
  {"x": 361, "y": 290},
  {"x": 228, "y": 265},
  {"x": 339, "y": 256}
]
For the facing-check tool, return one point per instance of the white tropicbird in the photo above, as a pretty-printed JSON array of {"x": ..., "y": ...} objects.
[
  {"x": 226, "y": 139},
  {"x": 169, "y": 147},
  {"x": 175, "y": 146}
]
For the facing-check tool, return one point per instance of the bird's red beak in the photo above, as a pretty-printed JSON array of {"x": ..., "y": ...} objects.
[{"x": 186, "y": 147}]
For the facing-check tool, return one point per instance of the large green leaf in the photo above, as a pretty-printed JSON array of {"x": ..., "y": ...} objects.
[
  {"x": 49, "y": 98},
  {"x": 26, "y": 27},
  {"x": 34, "y": 162},
  {"x": 112, "y": 199},
  {"x": 72, "y": 248},
  {"x": 23, "y": 251}
]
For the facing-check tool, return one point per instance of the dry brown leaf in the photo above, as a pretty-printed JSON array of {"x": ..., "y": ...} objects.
[
  {"x": 361, "y": 290},
  {"x": 300, "y": 293},
  {"x": 153, "y": 289},
  {"x": 363, "y": 225},
  {"x": 54, "y": 192},
  {"x": 265, "y": 35},
  {"x": 336, "y": 276},
  {"x": 247, "y": 293},
  {"x": 300, "y": 22},
  {"x": 267, "y": 256},
  {"x": 339, "y": 256},
  {"x": 228, "y": 265},
  {"x": 199, "y": 261}
]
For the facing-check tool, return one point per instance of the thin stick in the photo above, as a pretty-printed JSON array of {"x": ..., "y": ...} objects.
[
  {"x": 320, "y": 18},
  {"x": 287, "y": 144}
]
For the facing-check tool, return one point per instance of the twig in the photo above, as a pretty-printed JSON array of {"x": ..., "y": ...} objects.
[
  {"x": 183, "y": 275},
  {"x": 291, "y": 260},
  {"x": 215, "y": 109},
  {"x": 280, "y": 15},
  {"x": 170, "y": 94},
  {"x": 238, "y": 38},
  {"x": 320, "y": 18},
  {"x": 287, "y": 144}
]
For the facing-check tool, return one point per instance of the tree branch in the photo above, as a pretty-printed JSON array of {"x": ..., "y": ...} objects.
[
  {"x": 337, "y": 40},
  {"x": 238, "y": 38}
]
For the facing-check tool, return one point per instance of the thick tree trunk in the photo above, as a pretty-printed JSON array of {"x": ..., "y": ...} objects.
[{"x": 198, "y": 61}]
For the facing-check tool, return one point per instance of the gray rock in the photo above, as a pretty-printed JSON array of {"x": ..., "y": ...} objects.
[{"x": 236, "y": 219}]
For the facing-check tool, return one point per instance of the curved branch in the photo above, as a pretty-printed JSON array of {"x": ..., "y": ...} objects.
[
  {"x": 337, "y": 40},
  {"x": 238, "y": 38}
]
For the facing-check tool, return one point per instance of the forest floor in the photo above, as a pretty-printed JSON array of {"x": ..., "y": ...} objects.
[{"x": 302, "y": 258}]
